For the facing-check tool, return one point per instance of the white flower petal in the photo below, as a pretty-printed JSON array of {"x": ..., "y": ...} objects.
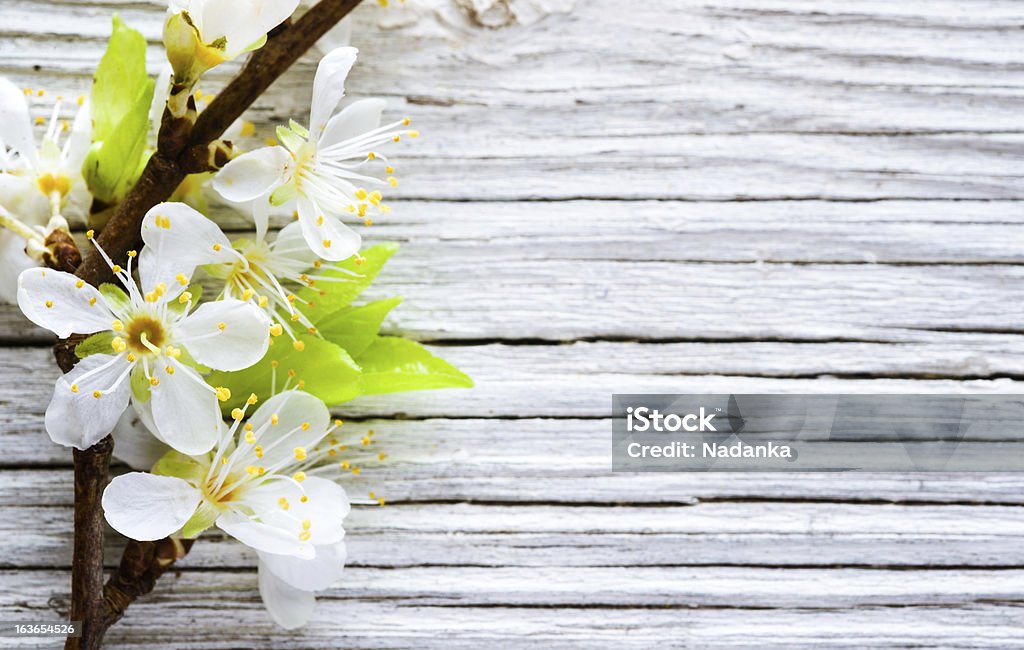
[
  {"x": 17, "y": 125},
  {"x": 293, "y": 409},
  {"x": 178, "y": 239},
  {"x": 75, "y": 416},
  {"x": 161, "y": 92},
  {"x": 329, "y": 87},
  {"x": 253, "y": 175},
  {"x": 326, "y": 235},
  {"x": 13, "y": 261},
  {"x": 79, "y": 141},
  {"x": 291, "y": 247},
  {"x": 62, "y": 303},
  {"x": 185, "y": 408},
  {"x": 134, "y": 444},
  {"x": 322, "y": 572},
  {"x": 147, "y": 507},
  {"x": 264, "y": 537},
  {"x": 356, "y": 119},
  {"x": 325, "y": 509},
  {"x": 288, "y": 607},
  {"x": 225, "y": 335}
]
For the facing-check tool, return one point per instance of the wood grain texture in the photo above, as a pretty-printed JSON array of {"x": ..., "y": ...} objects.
[{"x": 744, "y": 195}]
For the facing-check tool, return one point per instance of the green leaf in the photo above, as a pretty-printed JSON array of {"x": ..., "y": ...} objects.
[
  {"x": 178, "y": 465},
  {"x": 119, "y": 103},
  {"x": 328, "y": 372},
  {"x": 115, "y": 297},
  {"x": 357, "y": 277},
  {"x": 140, "y": 385},
  {"x": 355, "y": 328},
  {"x": 393, "y": 364},
  {"x": 95, "y": 344}
]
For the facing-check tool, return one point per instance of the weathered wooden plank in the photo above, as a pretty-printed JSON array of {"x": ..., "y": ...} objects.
[
  {"x": 413, "y": 534},
  {"x": 523, "y": 608},
  {"x": 467, "y": 298}
]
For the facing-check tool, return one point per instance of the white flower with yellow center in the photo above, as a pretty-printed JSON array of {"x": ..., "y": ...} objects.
[
  {"x": 201, "y": 34},
  {"x": 156, "y": 340},
  {"x": 325, "y": 170},
  {"x": 37, "y": 184},
  {"x": 260, "y": 485}
]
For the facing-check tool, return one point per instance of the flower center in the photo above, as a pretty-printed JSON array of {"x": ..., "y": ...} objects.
[{"x": 148, "y": 328}]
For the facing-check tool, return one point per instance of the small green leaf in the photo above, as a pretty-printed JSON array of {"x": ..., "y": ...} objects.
[
  {"x": 115, "y": 297},
  {"x": 355, "y": 328},
  {"x": 326, "y": 370},
  {"x": 95, "y": 344},
  {"x": 393, "y": 365},
  {"x": 357, "y": 277},
  {"x": 120, "y": 101}
]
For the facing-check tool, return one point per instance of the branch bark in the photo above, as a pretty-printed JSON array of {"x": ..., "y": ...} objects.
[{"x": 142, "y": 563}]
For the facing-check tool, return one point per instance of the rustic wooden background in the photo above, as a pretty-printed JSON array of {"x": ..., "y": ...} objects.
[{"x": 669, "y": 195}]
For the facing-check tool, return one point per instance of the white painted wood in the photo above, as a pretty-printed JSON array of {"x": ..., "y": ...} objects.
[{"x": 537, "y": 125}]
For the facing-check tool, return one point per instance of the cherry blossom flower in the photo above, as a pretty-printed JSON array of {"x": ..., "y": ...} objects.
[
  {"x": 325, "y": 170},
  {"x": 264, "y": 485},
  {"x": 157, "y": 343}
]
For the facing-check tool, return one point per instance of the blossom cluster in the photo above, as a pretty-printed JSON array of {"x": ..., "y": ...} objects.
[{"x": 194, "y": 388}]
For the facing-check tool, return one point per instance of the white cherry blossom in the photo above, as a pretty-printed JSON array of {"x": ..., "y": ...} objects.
[
  {"x": 262, "y": 484},
  {"x": 325, "y": 171},
  {"x": 156, "y": 343}
]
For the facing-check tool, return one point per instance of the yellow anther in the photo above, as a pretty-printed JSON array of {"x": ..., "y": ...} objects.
[
  {"x": 118, "y": 344},
  {"x": 74, "y": 388},
  {"x": 304, "y": 499},
  {"x": 49, "y": 304},
  {"x": 304, "y": 536},
  {"x": 375, "y": 197},
  {"x": 248, "y": 294},
  {"x": 305, "y": 426},
  {"x": 338, "y": 423},
  {"x": 152, "y": 296},
  {"x": 317, "y": 264},
  {"x": 258, "y": 450},
  {"x": 381, "y": 456},
  {"x": 182, "y": 280},
  {"x": 117, "y": 268},
  {"x": 366, "y": 440},
  {"x": 274, "y": 419},
  {"x": 299, "y": 345},
  {"x": 153, "y": 381},
  {"x": 414, "y": 134},
  {"x": 301, "y": 384},
  {"x": 380, "y": 501},
  {"x": 299, "y": 477},
  {"x": 89, "y": 234},
  {"x": 223, "y": 393},
  {"x": 345, "y": 464},
  {"x": 320, "y": 220},
  {"x": 270, "y": 142},
  {"x": 295, "y": 317},
  {"x": 397, "y": 138},
  {"x": 79, "y": 284},
  {"x": 224, "y": 460},
  {"x": 252, "y": 470},
  {"x": 300, "y": 453},
  {"x": 222, "y": 326},
  {"x": 170, "y": 370},
  {"x": 40, "y": 120},
  {"x": 97, "y": 394},
  {"x": 362, "y": 210},
  {"x": 306, "y": 524},
  {"x": 389, "y": 170},
  {"x": 248, "y": 129},
  {"x": 283, "y": 502},
  {"x": 117, "y": 326},
  {"x": 361, "y": 194},
  {"x": 276, "y": 329},
  {"x": 262, "y": 470},
  {"x": 133, "y": 254},
  {"x": 291, "y": 298},
  {"x": 262, "y": 301},
  {"x": 216, "y": 247},
  {"x": 368, "y": 222},
  {"x": 311, "y": 330},
  {"x": 160, "y": 288},
  {"x": 237, "y": 413},
  {"x": 371, "y": 156},
  {"x": 332, "y": 453},
  {"x": 392, "y": 181},
  {"x": 406, "y": 121},
  {"x": 252, "y": 399},
  {"x": 356, "y": 470},
  {"x": 80, "y": 100},
  {"x": 248, "y": 426},
  {"x": 184, "y": 297},
  {"x": 92, "y": 301},
  {"x": 291, "y": 372},
  {"x": 250, "y": 437},
  {"x": 131, "y": 358}
]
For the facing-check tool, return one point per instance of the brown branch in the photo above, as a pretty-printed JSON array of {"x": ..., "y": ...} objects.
[{"x": 179, "y": 141}]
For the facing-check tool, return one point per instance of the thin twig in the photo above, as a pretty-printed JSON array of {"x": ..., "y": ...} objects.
[{"x": 144, "y": 562}]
